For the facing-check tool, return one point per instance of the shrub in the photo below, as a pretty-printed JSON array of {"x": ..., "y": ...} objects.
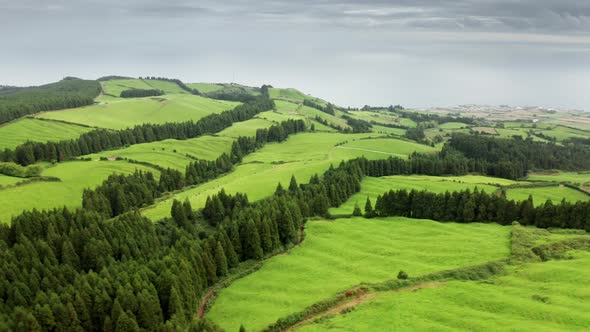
[{"x": 402, "y": 275}]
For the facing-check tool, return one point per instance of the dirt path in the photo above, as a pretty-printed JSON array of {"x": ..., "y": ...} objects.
[
  {"x": 300, "y": 235},
  {"x": 203, "y": 304},
  {"x": 361, "y": 299}
]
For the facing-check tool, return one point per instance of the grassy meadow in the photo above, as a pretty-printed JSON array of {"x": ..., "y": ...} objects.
[
  {"x": 75, "y": 177},
  {"x": 549, "y": 296},
  {"x": 172, "y": 153},
  {"x": 569, "y": 177},
  {"x": 382, "y": 148},
  {"x": 115, "y": 87},
  {"x": 543, "y": 194},
  {"x": 124, "y": 113},
  {"x": 337, "y": 255},
  {"x": 372, "y": 187},
  {"x": 205, "y": 87},
  {"x": 28, "y": 129}
]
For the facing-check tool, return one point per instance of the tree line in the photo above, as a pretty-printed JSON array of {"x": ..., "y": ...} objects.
[
  {"x": 68, "y": 93},
  {"x": 478, "y": 206},
  {"x": 80, "y": 271},
  {"x": 121, "y": 193},
  {"x": 175, "y": 81},
  {"x": 103, "y": 139},
  {"x": 512, "y": 158},
  {"x": 329, "y": 108},
  {"x": 138, "y": 93}
]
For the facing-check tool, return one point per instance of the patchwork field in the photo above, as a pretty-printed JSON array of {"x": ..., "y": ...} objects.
[
  {"x": 124, "y": 113},
  {"x": 550, "y": 296},
  {"x": 382, "y": 148},
  {"x": 205, "y": 87},
  {"x": 542, "y": 194},
  {"x": 342, "y": 253},
  {"x": 115, "y": 87},
  {"x": 172, "y": 153},
  {"x": 36, "y": 130},
  {"x": 574, "y": 178},
  {"x": 302, "y": 155},
  {"x": 245, "y": 128},
  {"x": 75, "y": 177},
  {"x": 372, "y": 187}
]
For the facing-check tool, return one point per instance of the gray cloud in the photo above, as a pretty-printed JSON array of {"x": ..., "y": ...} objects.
[{"x": 416, "y": 52}]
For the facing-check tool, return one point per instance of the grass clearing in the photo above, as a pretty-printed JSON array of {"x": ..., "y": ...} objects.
[
  {"x": 571, "y": 177},
  {"x": 172, "y": 153},
  {"x": 381, "y": 148},
  {"x": 339, "y": 254},
  {"x": 75, "y": 177},
  {"x": 302, "y": 155},
  {"x": 372, "y": 187},
  {"x": 124, "y": 113},
  {"x": 453, "y": 125},
  {"x": 29, "y": 129},
  {"x": 550, "y": 296},
  {"x": 205, "y": 87},
  {"x": 542, "y": 194},
  {"x": 6, "y": 180},
  {"x": 115, "y": 87},
  {"x": 245, "y": 128}
]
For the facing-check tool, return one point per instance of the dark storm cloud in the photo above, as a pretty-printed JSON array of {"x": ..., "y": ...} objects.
[{"x": 417, "y": 52}]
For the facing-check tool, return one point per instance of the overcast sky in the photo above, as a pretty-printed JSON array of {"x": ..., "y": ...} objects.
[{"x": 414, "y": 52}]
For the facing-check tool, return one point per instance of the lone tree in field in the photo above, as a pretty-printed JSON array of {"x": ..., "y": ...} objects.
[
  {"x": 368, "y": 208},
  {"x": 402, "y": 275},
  {"x": 357, "y": 210}
]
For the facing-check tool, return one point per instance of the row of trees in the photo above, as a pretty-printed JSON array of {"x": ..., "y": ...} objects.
[
  {"x": 520, "y": 155},
  {"x": 79, "y": 271},
  {"x": 121, "y": 193},
  {"x": 478, "y": 206},
  {"x": 329, "y": 108},
  {"x": 68, "y": 93},
  {"x": 175, "y": 81},
  {"x": 138, "y": 93},
  {"x": 103, "y": 139}
]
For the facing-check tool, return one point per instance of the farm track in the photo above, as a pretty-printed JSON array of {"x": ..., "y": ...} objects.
[
  {"x": 351, "y": 303},
  {"x": 203, "y": 303}
]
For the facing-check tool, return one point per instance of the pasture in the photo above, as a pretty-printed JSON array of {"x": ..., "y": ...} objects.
[
  {"x": 205, "y": 87},
  {"x": 372, "y": 187},
  {"x": 543, "y": 194},
  {"x": 302, "y": 155},
  {"x": 172, "y": 153},
  {"x": 382, "y": 148},
  {"x": 28, "y": 129},
  {"x": 570, "y": 177},
  {"x": 337, "y": 255},
  {"x": 75, "y": 177},
  {"x": 549, "y": 296},
  {"x": 124, "y": 113},
  {"x": 115, "y": 87}
]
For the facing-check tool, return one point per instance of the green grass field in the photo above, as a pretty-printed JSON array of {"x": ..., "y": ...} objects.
[
  {"x": 372, "y": 187},
  {"x": 382, "y": 148},
  {"x": 36, "y": 130},
  {"x": 6, "y": 180},
  {"x": 550, "y": 296},
  {"x": 337, "y": 255},
  {"x": 453, "y": 125},
  {"x": 172, "y": 153},
  {"x": 245, "y": 128},
  {"x": 288, "y": 93},
  {"x": 389, "y": 131},
  {"x": 75, "y": 177},
  {"x": 380, "y": 117},
  {"x": 302, "y": 155},
  {"x": 205, "y": 87},
  {"x": 581, "y": 178},
  {"x": 542, "y": 194},
  {"x": 115, "y": 87},
  {"x": 123, "y": 113}
]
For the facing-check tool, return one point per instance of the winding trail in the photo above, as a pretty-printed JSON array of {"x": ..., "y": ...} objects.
[
  {"x": 203, "y": 304},
  {"x": 353, "y": 302}
]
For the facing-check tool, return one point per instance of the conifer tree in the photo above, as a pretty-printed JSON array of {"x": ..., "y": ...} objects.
[
  {"x": 368, "y": 209},
  {"x": 357, "y": 210},
  {"x": 220, "y": 260}
]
